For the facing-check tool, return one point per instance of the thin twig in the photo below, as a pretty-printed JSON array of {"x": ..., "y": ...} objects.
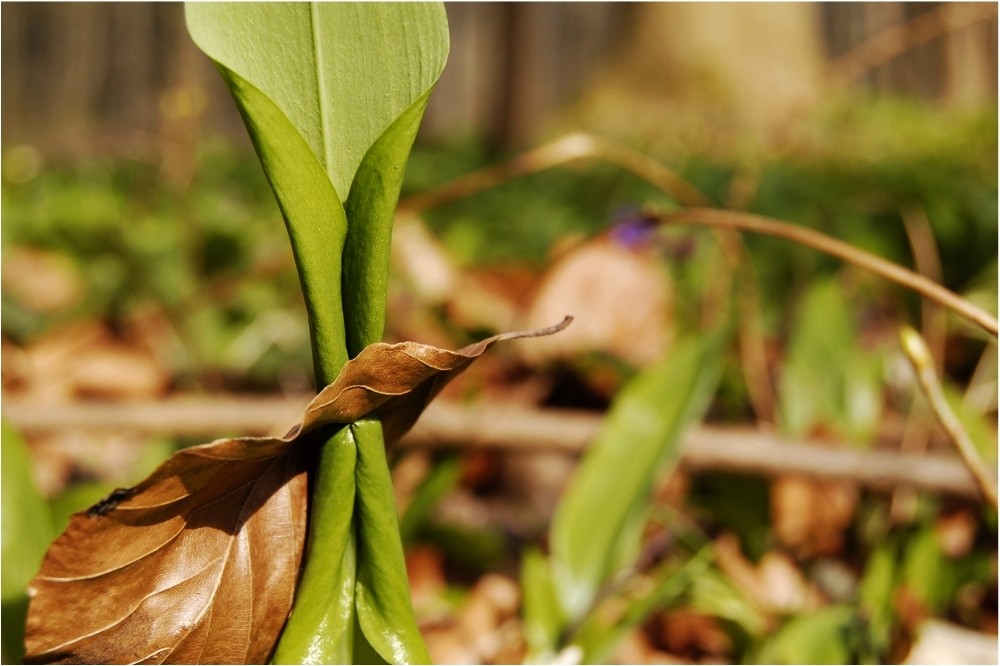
[
  {"x": 567, "y": 149},
  {"x": 735, "y": 449},
  {"x": 927, "y": 261},
  {"x": 515, "y": 429},
  {"x": 823, "y": 243},
  {"x": 902, "y": 37},
  {"x": 916, "y": 351}
]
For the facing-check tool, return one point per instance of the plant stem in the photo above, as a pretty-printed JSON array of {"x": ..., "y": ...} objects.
[
  {"x": 836, "y": 248},
  {"x": 570, "y": 148},
  {"x": 916, "y": 351}
]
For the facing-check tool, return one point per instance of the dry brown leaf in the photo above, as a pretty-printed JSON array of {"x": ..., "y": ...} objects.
[
  {"x": 624, "y": 299},
  {"x": 198, "y": 563},
  {"x": 810, "y": 516}
]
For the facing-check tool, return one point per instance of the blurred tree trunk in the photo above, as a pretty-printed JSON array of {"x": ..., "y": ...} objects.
[{"x": 110, "y": 77}]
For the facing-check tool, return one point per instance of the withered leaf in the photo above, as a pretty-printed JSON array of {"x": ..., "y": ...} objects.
[{"x": 198, "y": 563}]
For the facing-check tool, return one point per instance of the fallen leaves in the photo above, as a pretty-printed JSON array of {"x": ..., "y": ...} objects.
[{"x": 198, "y": 563}]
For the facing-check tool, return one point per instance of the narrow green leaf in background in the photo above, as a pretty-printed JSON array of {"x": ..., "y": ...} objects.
[
  {"x": 542, "y": 614},
  {"x": 828, "y": 381},
  {"x": 875, "y": 595},
  {"x": 659, "y": 589},
  {"x": 443, "y": 478},
  {"x": 25, "y": 530},
  {"x": 639, "y": 436}
]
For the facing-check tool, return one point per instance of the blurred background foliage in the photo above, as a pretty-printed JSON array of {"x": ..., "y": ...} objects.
[{"x": 144, "y": 256}]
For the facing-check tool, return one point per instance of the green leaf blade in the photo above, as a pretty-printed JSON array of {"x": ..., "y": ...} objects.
[
  {"x": 341, "y": 72},
  {"x": 639, "y": 436},
  {"x": 542, "y": 614}
]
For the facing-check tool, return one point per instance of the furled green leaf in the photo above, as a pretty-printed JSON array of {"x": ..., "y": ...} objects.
[
  {"x": 370, "y": 209},
  {"x": 314, "y": 217},
  {"x": 385, "y": 614},
  {"x": 639, "y": 437},
  {"x": 325, "y": 596}
]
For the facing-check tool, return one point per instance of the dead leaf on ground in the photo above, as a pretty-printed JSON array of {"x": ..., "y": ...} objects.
[
  {"x": 812, "y": 516},
  {"x": 955, "y": 532},
  {"x": 685, "y": 632},
  {"x": 624, "y": 299},
  {"x": 198, "y": 563},
  {"x": 41, "y": 280},
  {"x": 85, "y": 360}
]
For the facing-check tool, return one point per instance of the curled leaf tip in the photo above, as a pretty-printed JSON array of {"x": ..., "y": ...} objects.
[
  {"x": 567, "y": 320},
  {"x": 536, "y": 333}
]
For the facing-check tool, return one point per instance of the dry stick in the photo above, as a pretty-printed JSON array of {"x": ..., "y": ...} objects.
[
  {"x": 927, "y": 261},
  {"x": 569, "y": 148},
  {"x": 514, "y": 429},
  {"x": 916, "y": 350},
  {"x": 900, "y": 38},
  {"x": 750, "y": 340},
  {"x": 823, "y": 243},
  {"x": 740, "y": 450}
]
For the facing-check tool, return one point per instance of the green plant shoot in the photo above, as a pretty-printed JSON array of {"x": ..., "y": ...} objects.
[{"x": 332, "y": 95}]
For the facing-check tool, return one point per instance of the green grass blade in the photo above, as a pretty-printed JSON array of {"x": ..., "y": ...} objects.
[
  {"x": 542, "y": 614},
  {"x": 828, "y": 380},
  {"x": 598, "y": 639}
]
